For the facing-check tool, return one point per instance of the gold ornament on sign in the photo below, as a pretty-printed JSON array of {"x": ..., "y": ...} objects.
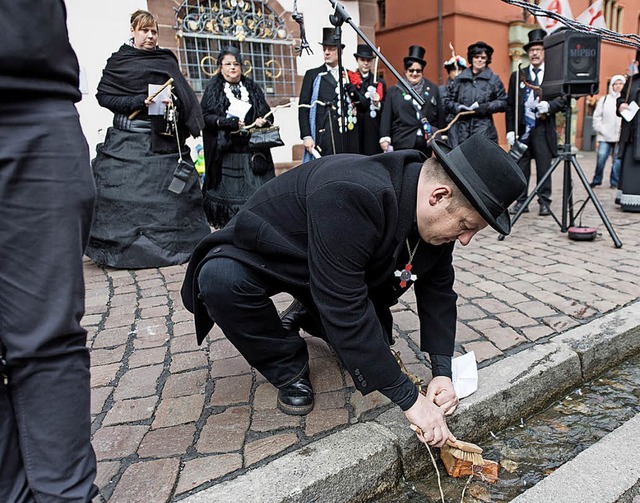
[
  {"x": 226, "y": 22},
  {"x": 193, "y": 25},
  {"x": 281, "y": 33},
  {"x": 269, "y": 73},
  {"x": 203, "y": 67},
  {"x": 248, "y": 66}
]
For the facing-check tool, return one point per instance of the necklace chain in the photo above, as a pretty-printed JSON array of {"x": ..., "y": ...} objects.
[{"x": 415, "y": 249}]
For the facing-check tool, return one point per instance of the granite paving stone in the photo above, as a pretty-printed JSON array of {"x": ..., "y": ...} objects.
[
  {"x": 179, "y": 410},
  {"x": 224, "y": 432},
  {"x": 146, "y": 479},
  {"x": 201, "y": 470},
  {"x": 167, "y": 442},
  {"x": 130, "y": 411}
]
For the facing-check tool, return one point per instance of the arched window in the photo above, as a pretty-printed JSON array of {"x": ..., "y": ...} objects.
[{"x": 267, "y": 47}]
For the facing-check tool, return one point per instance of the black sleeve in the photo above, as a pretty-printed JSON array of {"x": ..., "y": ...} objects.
[
  {"x": 121, "y": 104},
  {"x": 511, "y": 104},
  {"x": 305, "y": 98}
]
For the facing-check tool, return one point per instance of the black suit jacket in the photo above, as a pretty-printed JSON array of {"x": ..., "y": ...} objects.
[
  {"x": 549, "y": 124},
  {"x": 335, "y": 229},
  {"x": 399, "y": 119},
  {"x": 326, "y": 117}
]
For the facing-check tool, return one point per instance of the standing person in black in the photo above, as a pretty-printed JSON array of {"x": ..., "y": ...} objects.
[
  {"x": 369, "y": 96},
  {"x": 47, "y": 197},
  {"x": 404, "y": 123},
  {"x": 477, "y": 88},
  {"x": 321, "y": 124},
  {"x": 536, "y": 121}
]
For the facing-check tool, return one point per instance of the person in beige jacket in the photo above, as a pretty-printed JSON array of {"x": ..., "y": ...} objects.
[{"x": 607, "y": 124}]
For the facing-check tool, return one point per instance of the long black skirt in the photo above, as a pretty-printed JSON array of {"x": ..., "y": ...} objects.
[
  {"x": 138, "y": 223},
  {"x": 629, "y": 181},
  {"x": 237, "y": 184}
]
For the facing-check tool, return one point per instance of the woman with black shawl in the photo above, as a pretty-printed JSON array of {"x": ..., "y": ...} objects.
[
  {"x": 234, "y": 170},
  {"x": 149, "y": 208}
]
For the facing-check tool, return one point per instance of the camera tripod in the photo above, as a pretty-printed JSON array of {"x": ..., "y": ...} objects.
[{"x": 568, "y": 159}]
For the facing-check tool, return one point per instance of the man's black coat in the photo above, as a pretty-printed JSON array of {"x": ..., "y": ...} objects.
[
  {"x": 399, "y": 119},
  {"x": 326, "y": 117},
  {"x": 549, "y": 124},
  {"x": 336, "y": 229}
]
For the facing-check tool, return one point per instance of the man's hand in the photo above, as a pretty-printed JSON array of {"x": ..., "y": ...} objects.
[
  {"x": 430, "y": 419},
  {"x": 543, "y": 107},
  {"x": 384, "y": 145},
  {"x": 441, "y": 392},
  {"x": 260, "y": 122},
  {"x": 309, "y": 144}
]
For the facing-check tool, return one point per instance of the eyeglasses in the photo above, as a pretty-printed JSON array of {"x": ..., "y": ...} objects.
[
  {"x": 230, "y": 64},
  {"x": 414, "y": 70}
]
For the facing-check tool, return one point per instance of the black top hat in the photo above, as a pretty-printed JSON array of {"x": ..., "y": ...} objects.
[
  {"x": 416, "y": 53},
  {"x": 329, "y": 37},
  {"x": 535, "y": 38},
  {"x": 364, "y": 52},
  {"x": 487, "y": 176}
]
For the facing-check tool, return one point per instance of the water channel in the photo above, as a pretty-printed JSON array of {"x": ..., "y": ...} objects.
[{"x": 538, "y": 445}]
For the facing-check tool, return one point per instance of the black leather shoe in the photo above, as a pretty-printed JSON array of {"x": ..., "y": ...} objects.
[
  {"x": 544, "y": 211},
  {"x": 516, "y": 207},
  {"x": 296, "y": 398},
  {"x": 593, "y": 184}
]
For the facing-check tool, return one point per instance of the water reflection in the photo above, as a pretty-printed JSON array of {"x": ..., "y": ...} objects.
[{"x": 529, "y": 451}]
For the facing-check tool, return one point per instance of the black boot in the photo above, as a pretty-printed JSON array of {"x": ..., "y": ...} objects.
[{"x": 296, "y": 398}]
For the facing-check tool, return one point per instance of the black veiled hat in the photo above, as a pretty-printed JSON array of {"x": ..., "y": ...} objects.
[
  {"x": 487, "y": 176},
  {"x": 478, "y": 47},
  {"x": 536, "y": 37}
]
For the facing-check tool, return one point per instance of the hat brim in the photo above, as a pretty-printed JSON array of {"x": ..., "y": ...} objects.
[
  {"x": 529, "y": 45},
  {"x": 331, "y": 44},
  {"x": 417, "y": 60},
  {"x": 363, "y": 56},
  {"x": 452, "y": 161}
]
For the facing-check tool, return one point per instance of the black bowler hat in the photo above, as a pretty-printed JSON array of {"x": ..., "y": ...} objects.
[
  {"x": 329, "y": 37},
  {"x": 364, "y": 52},
  {"x": 535, "y": 38},
  {"x": 487, "y": 176},
  {"x": 416, "y": 53}
]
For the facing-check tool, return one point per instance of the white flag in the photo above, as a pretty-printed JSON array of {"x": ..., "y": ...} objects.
[
  {"x": 593, "y": 16},
  {"x": 561, "y": 7}
]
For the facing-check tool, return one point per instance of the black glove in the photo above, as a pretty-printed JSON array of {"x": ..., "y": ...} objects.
[
  {"x": 482, "y": 109},
  {"x": 351, "y": 89},
  {"x": 228, "y": 123}
]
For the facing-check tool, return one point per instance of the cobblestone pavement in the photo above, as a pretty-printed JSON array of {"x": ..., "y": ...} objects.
[{"x": 171, "y": 418}]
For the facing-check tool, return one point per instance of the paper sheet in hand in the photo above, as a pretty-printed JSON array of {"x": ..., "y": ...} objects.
[
  {"x": 630, "y": 113},
  {"x": 238, "y": 109},
  {"x": 158, "y": 106},
  {"x": 465, "y": 374}
]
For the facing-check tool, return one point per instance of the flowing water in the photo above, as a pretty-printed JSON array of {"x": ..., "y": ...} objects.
[{"x": 529, "y": 451}]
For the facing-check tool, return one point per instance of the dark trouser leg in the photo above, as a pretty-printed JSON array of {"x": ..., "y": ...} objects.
[
  {"x": 237, "y": 297},
  {"x": 47, "y": 194},
  {"x": 525, "y": 166},
  {"x": 539, "y": 150}
]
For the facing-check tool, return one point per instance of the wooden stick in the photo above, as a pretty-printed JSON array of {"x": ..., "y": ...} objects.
[
  {"x": 167, "y": 83},
  {"x": 375, "y": 69},
  {"x": 460, "y": 114}
]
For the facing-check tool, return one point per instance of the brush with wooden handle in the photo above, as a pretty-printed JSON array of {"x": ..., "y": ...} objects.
[{"x": 459, "y": 449}]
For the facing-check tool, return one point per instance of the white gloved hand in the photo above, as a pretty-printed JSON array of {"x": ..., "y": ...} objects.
[
  {"x": 531, "y": 104},
  {"x": 511, "y": 138},
  {"x": 543, "y": 107}
]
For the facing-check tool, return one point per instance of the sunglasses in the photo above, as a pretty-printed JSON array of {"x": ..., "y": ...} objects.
[{"x": 414, "y": 70}]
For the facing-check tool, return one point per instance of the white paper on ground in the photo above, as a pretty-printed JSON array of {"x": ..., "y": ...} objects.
[
  {"x": 630, "y": 113},
  {"x": 465, "y": 374},
  {"x": 158, "y": 106}
]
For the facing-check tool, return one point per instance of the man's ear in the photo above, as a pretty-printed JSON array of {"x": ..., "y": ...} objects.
[{"x": 439, "y": 194}]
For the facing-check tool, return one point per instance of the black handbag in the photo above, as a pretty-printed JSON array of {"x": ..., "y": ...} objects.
[{"x": 264, "y": 138}]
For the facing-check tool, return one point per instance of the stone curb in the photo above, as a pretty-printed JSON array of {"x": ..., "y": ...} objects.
[{"x": 368, "y": 458}]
